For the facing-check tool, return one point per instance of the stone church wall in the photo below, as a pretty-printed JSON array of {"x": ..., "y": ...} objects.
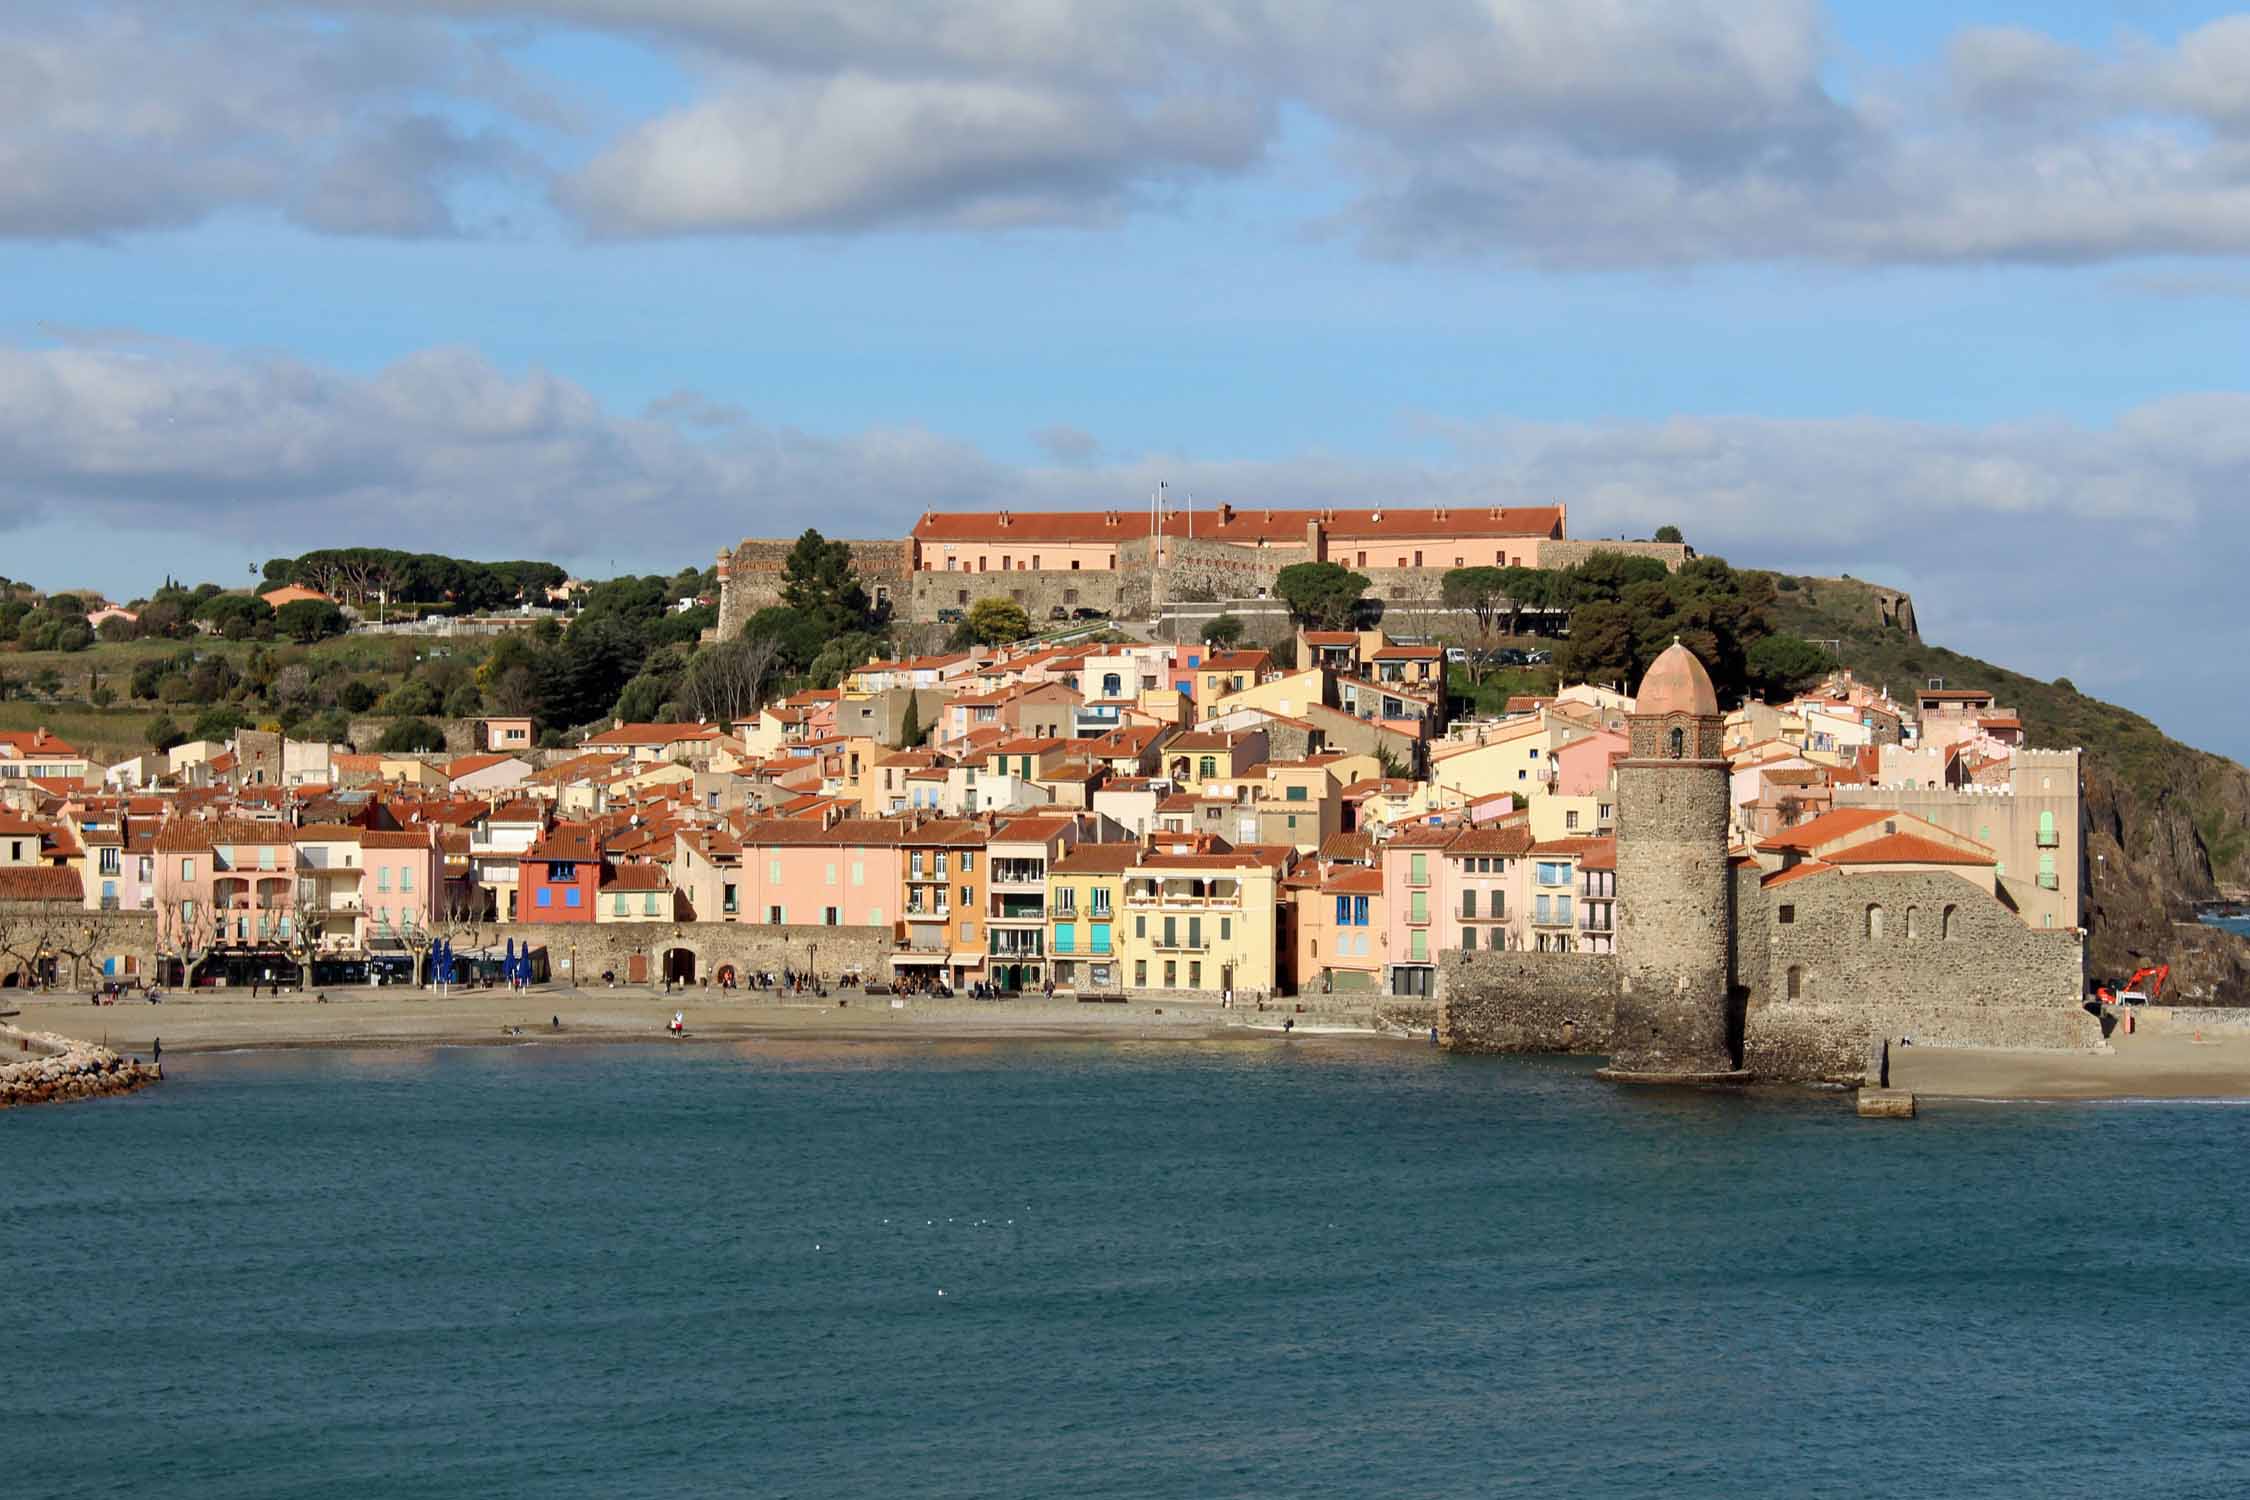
[{"x": 1979, "y": 978}]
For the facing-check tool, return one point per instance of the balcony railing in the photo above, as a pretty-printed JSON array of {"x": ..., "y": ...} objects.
[
  {"x": 2048, "y": 881},
  {"x": 2050, "y": 838}
]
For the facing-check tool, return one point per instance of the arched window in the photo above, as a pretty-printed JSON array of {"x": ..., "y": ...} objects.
[
  {"x": 1209, "y": 766},
  {"x": 1874, "y": 922},
  {"x": 1112, "y": 685},
  {"x": 1679, "y": 743},
  {"x": 1913, "y": 923},
  {"x": 1796, "y": 981},
  {"x": 1945, "y": 924},
  {"x": 2047, "y": 839}
]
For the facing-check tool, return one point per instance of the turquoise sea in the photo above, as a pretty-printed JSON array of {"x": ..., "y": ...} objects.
[{"x": 1304, "y": 1269}]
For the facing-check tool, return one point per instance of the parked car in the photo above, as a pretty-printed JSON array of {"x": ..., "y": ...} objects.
[
  {"x": 949, "y": 617},
  {"x": 1058, "y": 613},
  {"x": 1457, "y": 655},
  {"x": 1088, "y": 612}
]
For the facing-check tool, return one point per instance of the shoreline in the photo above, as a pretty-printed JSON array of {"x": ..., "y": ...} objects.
[
  {"x": 2175, "y": 1054},
  {"x": 387, "y": 1019}
]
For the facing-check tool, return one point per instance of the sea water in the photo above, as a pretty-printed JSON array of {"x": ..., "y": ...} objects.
[{"x": 1290, "y": 1269}]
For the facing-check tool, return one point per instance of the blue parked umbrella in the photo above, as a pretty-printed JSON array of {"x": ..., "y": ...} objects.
[{"x": 508, "y": 964}]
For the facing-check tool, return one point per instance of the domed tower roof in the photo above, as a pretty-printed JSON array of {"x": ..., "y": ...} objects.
[{"x": 1677, "y": 684}]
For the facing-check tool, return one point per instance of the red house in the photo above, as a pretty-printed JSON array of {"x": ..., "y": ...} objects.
[{"x": 560, "y": 875}]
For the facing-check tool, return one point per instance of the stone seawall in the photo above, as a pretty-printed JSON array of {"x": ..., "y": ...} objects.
[
  {"x": 1526, "y": 1002},
  {"x": 50, "y": 1069}
]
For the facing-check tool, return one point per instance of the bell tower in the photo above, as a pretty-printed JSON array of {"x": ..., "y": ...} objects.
[{"x": 1675, "y": 897}]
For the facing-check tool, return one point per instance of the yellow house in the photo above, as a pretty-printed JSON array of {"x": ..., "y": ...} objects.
[
  {"x": 1085, "y": 894},
  {"x": 1287, "y": 696},
  {"x": 1195, "y": 920},
  {"x": 1225, "y": 673}
]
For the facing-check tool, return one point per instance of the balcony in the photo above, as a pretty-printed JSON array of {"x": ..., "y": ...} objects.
[
  {"x": 1003, "y": 947},
  {"x": 1602, "y": 924},
  {"x": 936, "y": 913},
  {"x": 1018, "y": 909},
  {"x": 1018, "y": 872},
  {"x": 2050, "y": 839}
]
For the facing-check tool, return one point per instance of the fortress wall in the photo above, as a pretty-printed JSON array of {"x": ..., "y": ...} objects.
[
  {"x": 752, "y": 579},
  {"x": 1569, "y": 554},
  {"x": 1526, "y": 1002},
  {"x": 1121, "y": 594}
]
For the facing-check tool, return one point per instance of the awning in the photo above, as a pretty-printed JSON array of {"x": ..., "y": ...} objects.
[{"x": 917, "y": 958}]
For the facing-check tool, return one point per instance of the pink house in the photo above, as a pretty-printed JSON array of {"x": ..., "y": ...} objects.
[
  {"x": 1452, "y": 888},
  {"x": 226, "y": 883},
  {"x": 797, "y": 873},
  {"x": 400, "y": 884},
  {"x": 1582, "y": 764}
]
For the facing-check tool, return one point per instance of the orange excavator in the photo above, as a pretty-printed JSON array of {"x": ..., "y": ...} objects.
[{"x": 2132, "y": 993}]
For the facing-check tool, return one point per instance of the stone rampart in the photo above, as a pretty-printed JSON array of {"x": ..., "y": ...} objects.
[
  {"x": 1526, "y": 1002},
  {"x": 1122, "y": 594},
  {"x": 751, "y": 575},
  {"x": 40, "y": 1067},
  {"x": 79, "y": 941},
  {"x": 1569, "y": 554}
]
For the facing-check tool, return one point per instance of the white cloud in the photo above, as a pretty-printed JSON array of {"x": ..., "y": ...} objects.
[
  {"x": 1595, "y": 133},
  {"x": 122, "y": 116},
  {"x": 856, "y": 151}
]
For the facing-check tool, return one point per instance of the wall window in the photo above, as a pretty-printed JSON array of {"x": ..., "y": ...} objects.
[
  {"x": 383, "y": 880},
  {"x": 1787, "y": 916},
  {"x": 573, "y": 896},
  {"x": 1796, "y": 981},
  {"x": 1873, "y": 929},
  {"x": 1417, "y": 869},
  {"x": 773, "y": 915},
  {"x": 1945, "y": 923},
  {"x": 1468, "y": 939},
  {"x": 830, "y": 917},
  {"x": 617, "y": 904},
  {"x": 545, "y": 896},
  {"x": 648, "y": 904},
  {"x": 406, "y": 878},
  {"x": 187, "y": 869},
  {"x": 1913, "y": 923}
]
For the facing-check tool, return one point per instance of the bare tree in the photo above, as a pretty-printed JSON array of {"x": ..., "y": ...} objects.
[
  {"x": 187, "y": 930},
  {"x": 26, "y": 932},
  {"x": 727, "y": 680}
]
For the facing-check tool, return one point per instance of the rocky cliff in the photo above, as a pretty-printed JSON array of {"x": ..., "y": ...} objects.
[{"x": 2167, "y": 825}]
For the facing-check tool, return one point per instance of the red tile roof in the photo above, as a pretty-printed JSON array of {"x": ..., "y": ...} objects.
[
  {"x": 1907, "y": 849},
  {"x": 1227, "y": 524},
  {"x": 40, "y": 883}
]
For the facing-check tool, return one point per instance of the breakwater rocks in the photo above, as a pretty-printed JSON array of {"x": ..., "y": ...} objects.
[{"x": 39, "y": 1067}]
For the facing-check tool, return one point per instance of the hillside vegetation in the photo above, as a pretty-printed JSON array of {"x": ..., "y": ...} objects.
[{"x": 2169, "y": 825}]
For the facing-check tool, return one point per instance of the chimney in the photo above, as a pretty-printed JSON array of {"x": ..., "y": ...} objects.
[
  {"x": 1006, "y": 519},
  {"x": 1226, "y": 513}
]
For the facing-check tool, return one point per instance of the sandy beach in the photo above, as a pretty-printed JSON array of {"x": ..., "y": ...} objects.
[
  {"x": 221, "y": 1021},
  {"x": 2171, "y": 1063},
  {"x": 2173, "y": 1054}
]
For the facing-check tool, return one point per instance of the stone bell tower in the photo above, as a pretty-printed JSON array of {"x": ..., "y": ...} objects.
[{"x": 1675, "y": 899}]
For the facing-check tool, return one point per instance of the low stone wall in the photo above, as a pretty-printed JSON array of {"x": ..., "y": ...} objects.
[
  {"x": 50, "y": 1069},
  {"x": 1831, "y": 1043},
  {"x": 749, "y": 946},
  {"x": 1526, "y": 1002}
]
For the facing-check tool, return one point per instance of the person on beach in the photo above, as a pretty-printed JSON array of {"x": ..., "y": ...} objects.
[
  {"x": 1288, "y": 1024},
  {"x": 160, "y": 1052}
]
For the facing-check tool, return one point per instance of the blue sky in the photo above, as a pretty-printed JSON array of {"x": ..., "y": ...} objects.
[{"x": 1948, "y": 297}]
